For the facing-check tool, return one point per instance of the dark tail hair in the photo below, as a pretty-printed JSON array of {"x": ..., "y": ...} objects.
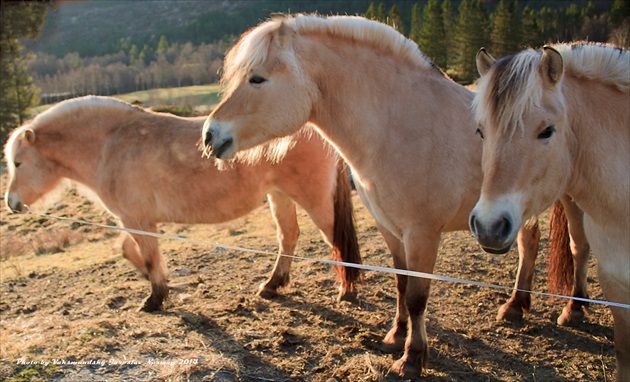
[
  {"x": 560, "y": 270},
  {"x": 345, "y": 243}
]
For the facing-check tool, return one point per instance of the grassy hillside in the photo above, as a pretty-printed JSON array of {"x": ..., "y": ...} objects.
[{"x": 200, "y": 98}]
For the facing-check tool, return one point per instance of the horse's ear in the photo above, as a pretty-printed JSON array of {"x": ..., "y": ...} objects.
[
  {"x": 484, "y": 61},
  {"x": 282, "y": 35},
  {"x": 29, "y": 136},
  {"x": 551, "y": 66}
]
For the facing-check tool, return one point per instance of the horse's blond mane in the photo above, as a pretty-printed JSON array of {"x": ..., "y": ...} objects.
[
  {"x": 79, "y": 107},
  {"x": 251, "y": 50},
  {"x": 513, "y": 87}
]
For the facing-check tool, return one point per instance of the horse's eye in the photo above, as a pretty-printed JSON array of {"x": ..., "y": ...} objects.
[
  {"x": 547, "y": 133},
  {"x": 17, "y": 164},
  {"x": 256, "y": 79},
  {"x": 479, "y": 133}
]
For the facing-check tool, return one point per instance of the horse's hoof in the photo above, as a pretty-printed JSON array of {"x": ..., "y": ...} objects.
[
  {"x": 345, "y": 295},
  {"x": 406, "y": 369},
  {"x": 150, "y": 305},
  {"x": 507, "y": 312},
  {"x": 393, "y": 342},
  {"x": 267, "y": 293},
  {"x": 571, "y": 317}
]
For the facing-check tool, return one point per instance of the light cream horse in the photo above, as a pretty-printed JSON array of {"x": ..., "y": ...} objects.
[
  {"x": 145, "y": 168},
  {"x": 405, "y": 128},
  {"x": 558, "y": 121}
]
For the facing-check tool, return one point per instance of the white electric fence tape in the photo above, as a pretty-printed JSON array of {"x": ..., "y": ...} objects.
[{"x": 402, "y": 272}]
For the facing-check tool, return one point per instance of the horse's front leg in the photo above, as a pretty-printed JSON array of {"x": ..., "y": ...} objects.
[
  {"x": 574, "y": 311},
  {"x": 131, "y": 252},
  {"x": 520, "y": 302},
  {"x": 395, "y": 339},
  {"x": 154, "y": 264},
  {"x": 421, "y": 246},
  {"x": 284, "y": 214}
]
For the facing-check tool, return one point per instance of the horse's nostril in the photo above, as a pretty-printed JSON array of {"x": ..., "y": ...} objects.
[
  {"x": 503, "y": 228},
  {"x": 472, "y": 223},
  {"x": 207, "y": 138}
]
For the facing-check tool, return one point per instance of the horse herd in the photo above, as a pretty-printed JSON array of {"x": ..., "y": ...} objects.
[{"x": 303, "y": 96}]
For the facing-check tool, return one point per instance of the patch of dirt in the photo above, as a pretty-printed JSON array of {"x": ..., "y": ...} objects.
[{"x": 71, "y": 315}]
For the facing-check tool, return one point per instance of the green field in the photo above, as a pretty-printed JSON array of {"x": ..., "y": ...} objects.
[{"x": 201, "y": 98}]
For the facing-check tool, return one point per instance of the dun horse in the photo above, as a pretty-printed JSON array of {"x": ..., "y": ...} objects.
[
  {"x": 558, "y": 121},
  {"x": 404, "y": 127},
  {"x": 144, "y": 167}
]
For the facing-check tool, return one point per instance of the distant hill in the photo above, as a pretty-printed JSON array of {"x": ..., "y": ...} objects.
[{"x": 95, "y": 27}]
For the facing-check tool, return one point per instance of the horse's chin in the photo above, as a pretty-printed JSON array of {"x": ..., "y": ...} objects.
[{"x": 497, "y": 251}]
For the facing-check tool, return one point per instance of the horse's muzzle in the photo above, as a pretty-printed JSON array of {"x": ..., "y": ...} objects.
[
  {"x": 14, "y": 203},
  {"x": 222, "y": 147},
  {"x": 494, "y": 238}
]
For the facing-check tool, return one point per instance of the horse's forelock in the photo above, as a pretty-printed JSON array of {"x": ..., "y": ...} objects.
[
  {"x": 251, "y": 50},
  {"x": 11, "y": 146},
  {"x": 508, "y": 91}
]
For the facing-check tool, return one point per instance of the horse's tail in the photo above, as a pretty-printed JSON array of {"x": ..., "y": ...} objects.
[
  {"x": 560, "y": 269},
  {"x": 345, "y": 243}
]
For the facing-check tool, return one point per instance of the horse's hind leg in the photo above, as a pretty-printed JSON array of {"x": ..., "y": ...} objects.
[
  {"x": 574, "y": 311},
  {"x": 520, "y": 302},
  {"x": 155, "y": 267},
  {"x": 131, "y": 252},
  {"x": 394, "y": 341},
  {"x": 284, "y": 214}
]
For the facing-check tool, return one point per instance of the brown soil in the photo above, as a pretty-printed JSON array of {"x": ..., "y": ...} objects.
[{"x": 68, "y": 296}]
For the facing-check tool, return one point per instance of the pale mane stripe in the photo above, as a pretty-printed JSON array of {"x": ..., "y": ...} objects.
[
  {"x": 253, "y": 46},
  {"x": 89, "y": 109}
]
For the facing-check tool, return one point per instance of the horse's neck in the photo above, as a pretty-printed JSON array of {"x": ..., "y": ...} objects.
[
  {"x": 74, "y": 151},
  {"x": 380, "y": 107},
  {"x": 599, "y": 120},
  {"x": 84, "y": 145}
]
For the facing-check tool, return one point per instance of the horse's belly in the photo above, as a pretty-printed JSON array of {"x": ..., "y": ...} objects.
[{"x": 611, "y": 247}]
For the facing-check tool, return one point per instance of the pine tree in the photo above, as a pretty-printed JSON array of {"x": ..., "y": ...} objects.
[
  {"x": 619, "y": 11},
  {"x": 530, "y": 30},
  {"x": 370, "y": 13},
  {"x": 395, "y": 20},
  {"x": 162, "y": 46},
  {"x": 432, "y": 35},
  {"x": 17, "y": 93},
  {"x": 506, "y": 33},
  {"x": 381, "y": 13},
  {"x": 449, "y": 26},
  {"x": 471, "y": 34},
  {"x": 416, "y": 22}
]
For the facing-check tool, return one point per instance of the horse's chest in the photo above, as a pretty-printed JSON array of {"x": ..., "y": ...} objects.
[{"x": 369, "y": 197}]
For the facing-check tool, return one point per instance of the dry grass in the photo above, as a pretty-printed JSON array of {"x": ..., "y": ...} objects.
[{"x": 80, "y": 305}]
